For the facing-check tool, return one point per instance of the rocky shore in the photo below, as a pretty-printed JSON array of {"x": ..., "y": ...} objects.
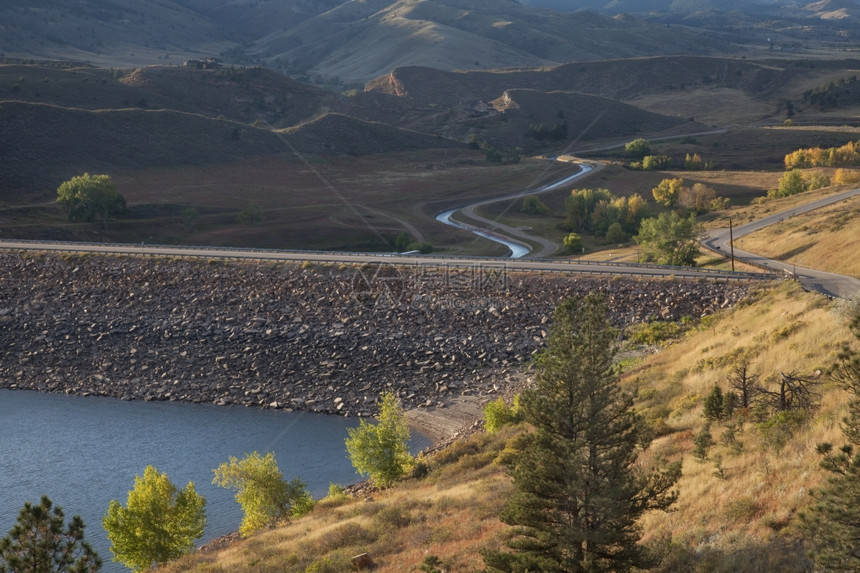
[{"x": 319, "y": 338}]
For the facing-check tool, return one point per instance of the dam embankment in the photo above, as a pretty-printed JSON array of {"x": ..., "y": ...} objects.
[{"x": 318, "y": 338}]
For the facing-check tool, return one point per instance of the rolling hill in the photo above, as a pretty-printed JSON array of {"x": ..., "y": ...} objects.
[{"x": 352, "y": 40}]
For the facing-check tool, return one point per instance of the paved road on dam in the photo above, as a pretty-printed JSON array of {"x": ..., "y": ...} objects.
[{"x": 534, "y": 265}]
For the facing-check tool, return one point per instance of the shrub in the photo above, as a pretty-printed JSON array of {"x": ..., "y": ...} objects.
[
  {"x": 778, "y": 429},
  {"x": 703, "y": 442},
  {"x": 532, "y": 205},
  {"x": 638, "y": 148},
  {"x": 656, "y": 332},
  {"x": 497, "y": 414}
]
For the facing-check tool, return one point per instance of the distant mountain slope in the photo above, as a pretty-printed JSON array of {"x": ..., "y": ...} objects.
[
  {"x": 44, "y": 144},
  {"x": 616, "y": 79},
  {"x": 359, "y": 44},
  {"x": 821, "y": 9},
  {"x": 341, "y": 134},
  {"x": 109, "y": 32},
  {"x": 354, "y": 40}
]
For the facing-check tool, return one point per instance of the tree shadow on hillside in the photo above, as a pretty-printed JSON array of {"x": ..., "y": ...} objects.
[
  {"x": 794, "y": 252},
  {"x": 786, "y": 556}
]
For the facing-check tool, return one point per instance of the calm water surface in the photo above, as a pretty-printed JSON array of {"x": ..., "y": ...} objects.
[{"x": 85, "y": 451}]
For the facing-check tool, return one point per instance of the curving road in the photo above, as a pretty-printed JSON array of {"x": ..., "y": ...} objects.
[{"x": 831, "y": 284}]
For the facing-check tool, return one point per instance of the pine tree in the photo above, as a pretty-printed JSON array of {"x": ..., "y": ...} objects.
[
  {"x": 713, "y": 408},
  {"x": 833, "y": 521},
  {"x": 40, "y": 543},
  {"x": 578, "y": 495}
]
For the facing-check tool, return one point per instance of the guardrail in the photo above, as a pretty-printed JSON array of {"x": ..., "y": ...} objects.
[{"x": 323, "y": 257}]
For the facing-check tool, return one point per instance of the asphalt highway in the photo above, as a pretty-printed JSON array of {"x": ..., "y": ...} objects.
[
  {"x": 534, "y": 265},
  {"x": 831, "y": 284}
]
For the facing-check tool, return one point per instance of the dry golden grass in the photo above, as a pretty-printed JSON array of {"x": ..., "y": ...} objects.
[
  {"x": 736, "y": 509},
  {"x": 819, "y": 239},
  {"x": 450, "y": 514},
  {"x": 743, "y": 496}
]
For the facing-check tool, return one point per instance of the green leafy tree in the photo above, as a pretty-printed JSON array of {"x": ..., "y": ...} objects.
[
  {"x": 833, "y": 521},
  {"x": 670, "y": 239},
  {"x": 189, "y": 217},
  {"x": 572, "y": 243},
  {"x": 653, "y": 162},
  {"x": 91, "y": 198},
  {"x": 265, "y": 496},
  {"x": 250, "y": 215},
  {"x": 158, "y": 523},
  {"x": 402, "y": 242},
  {"x": 532, "y": 205},
  {"x": 668, "y": 191},
  {"x": 40, "y": 542},
  {"x": 791, "y": 183},
  {"x": 497, "y": 414},
  {"x": 579, "y": 491},
  {"x": 615, "y": 233},
  {"x": 381, "y": 450},
  {"x": 638, "y": 148}
]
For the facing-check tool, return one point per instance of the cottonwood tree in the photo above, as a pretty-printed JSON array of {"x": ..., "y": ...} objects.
[
  {"x": 381, "y": 450},
  {"x": 158, "y": 523},
  {"x": 579, "y": 491},
  {"x": 40, "y": 542},
  {"x": 670, "y": 239},
  {"x": 638, "y": 148},
  {"x": 90, "y": 198},
  {"x": 832, "y": 523},
  {"x": 265, "y": 496},
  {"x": 668, "y": 191}
]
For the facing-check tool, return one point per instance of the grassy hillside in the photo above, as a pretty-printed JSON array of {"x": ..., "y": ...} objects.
[
  {"x": 333, "y": 39},
  {"x": 736, "y": 509},
  {"x": 360, "y": 41},
  {"x": 816, "y": 240}
]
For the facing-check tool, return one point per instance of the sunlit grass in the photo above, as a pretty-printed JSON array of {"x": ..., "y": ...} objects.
[{"x": 737, "y": 508}]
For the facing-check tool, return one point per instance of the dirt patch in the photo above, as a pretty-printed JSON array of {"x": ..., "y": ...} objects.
[{"x": 442, "y": 424}]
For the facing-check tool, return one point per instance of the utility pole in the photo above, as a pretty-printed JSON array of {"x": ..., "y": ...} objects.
[{"x": 732, "y": 243}]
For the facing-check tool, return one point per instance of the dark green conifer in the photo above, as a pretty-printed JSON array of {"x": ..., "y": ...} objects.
[
  {"x": 40, "y": 542},
  {"x": 832, "y": 522},
  {"x": 578, "y": 495}
]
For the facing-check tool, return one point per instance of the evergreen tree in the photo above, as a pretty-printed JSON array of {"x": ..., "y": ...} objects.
[
  {"x": 833, "y": 521},
  {"x": 578, "y": 495},
  {"x": 40, "y": 543},
  {"x": 713, "y": 409}
]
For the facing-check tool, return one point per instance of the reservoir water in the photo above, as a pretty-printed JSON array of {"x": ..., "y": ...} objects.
[{"x": 85, "y": 451}]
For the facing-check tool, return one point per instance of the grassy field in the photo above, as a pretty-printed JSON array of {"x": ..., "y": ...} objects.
[
  {"x": 737, "y": 508},
  {"x": 314, "y": 203}
]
